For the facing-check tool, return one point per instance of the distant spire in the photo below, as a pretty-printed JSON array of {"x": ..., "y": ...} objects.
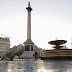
[
  {"x": 56, "y": 38},
  {"x": 71, "y": 42},
  {"x": 1, "y": 34}
]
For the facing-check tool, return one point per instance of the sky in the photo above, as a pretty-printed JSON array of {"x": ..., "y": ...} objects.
[{"x": 50, "y": 20}]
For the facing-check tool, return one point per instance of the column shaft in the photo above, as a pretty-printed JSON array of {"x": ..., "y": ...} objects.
[{"x": 29, "y": 25}]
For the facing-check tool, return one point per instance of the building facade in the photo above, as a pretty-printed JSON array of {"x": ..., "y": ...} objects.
[{"x": 4, "y": 45}]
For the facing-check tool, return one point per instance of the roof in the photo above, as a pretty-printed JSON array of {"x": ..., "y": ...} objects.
[{"x": 28, "y": 41}]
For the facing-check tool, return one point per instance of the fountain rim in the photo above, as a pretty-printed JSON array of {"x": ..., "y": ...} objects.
[{"x": 57, "y": 42}]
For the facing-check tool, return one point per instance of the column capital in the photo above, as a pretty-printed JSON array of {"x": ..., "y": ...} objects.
[{"x": 29, "y": 7}]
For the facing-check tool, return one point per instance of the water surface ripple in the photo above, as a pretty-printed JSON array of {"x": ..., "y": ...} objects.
[{"x": 36, "y": 66}]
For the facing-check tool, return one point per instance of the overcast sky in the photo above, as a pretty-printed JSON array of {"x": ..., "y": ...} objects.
[{"x": 50, "y": 19}]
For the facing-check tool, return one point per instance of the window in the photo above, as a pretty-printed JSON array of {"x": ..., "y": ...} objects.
[
  {"x": 31, "y": 48},
  {"x": 27, "y": 48}
]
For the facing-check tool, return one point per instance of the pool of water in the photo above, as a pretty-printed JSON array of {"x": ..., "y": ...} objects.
[{"x": 36, "y": 66}]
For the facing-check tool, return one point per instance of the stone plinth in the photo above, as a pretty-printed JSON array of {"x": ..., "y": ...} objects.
[{"x": 27, "y": 55}]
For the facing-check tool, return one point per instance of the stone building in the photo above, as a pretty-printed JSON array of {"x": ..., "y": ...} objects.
[{"x": 4, "y": 45}]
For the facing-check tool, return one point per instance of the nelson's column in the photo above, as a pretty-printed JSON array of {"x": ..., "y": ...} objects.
[{"x": 28, "y": 44}]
